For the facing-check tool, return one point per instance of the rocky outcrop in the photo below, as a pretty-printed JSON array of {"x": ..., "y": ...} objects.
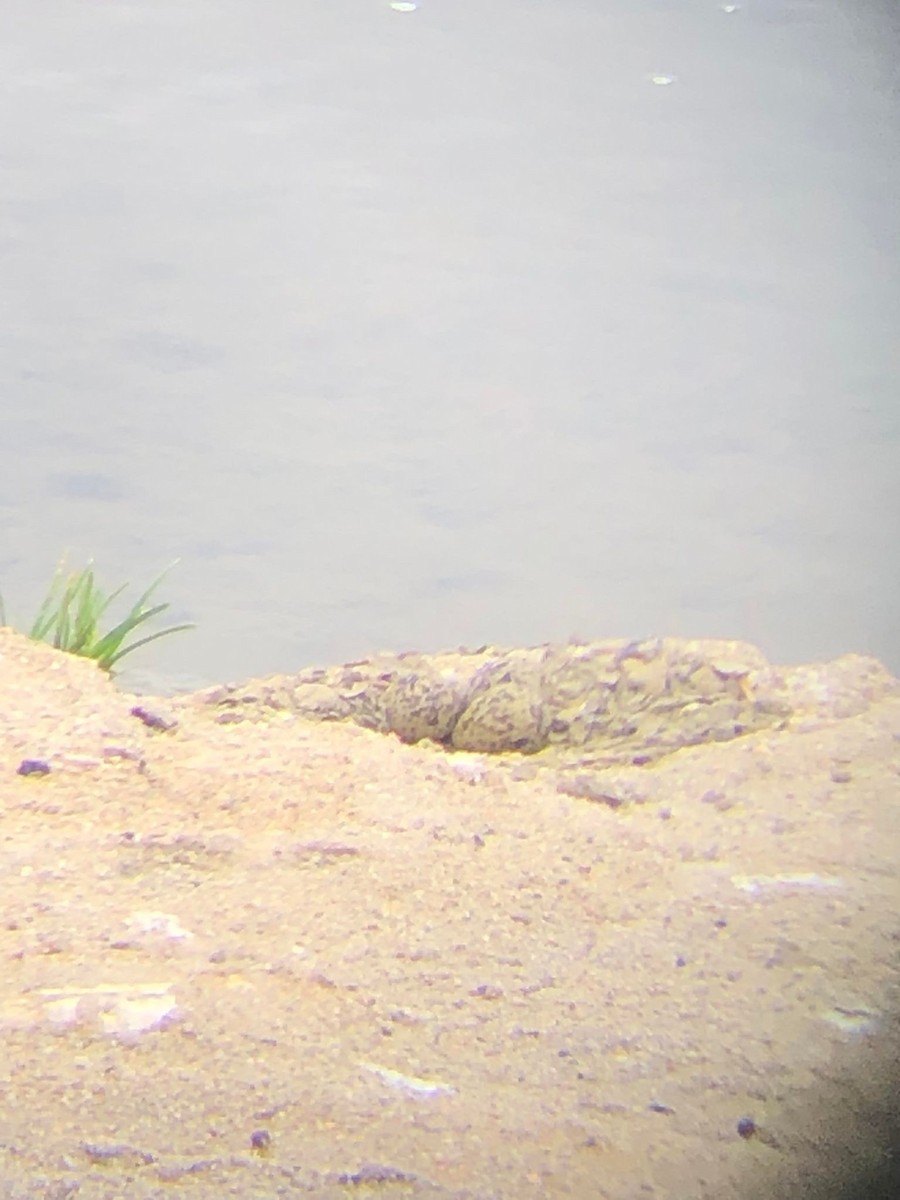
[
  {"x": 589, "y": 717},
  {"x": 607, "y": 702}
]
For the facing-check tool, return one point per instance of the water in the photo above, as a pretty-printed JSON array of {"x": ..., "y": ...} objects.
[{"x": 452, "y": 326}]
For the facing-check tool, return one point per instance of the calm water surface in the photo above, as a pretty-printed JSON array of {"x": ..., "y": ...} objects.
[{"x": 487, "y": 322}]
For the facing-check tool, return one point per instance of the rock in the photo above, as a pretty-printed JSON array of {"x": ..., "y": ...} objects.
[
  {"x": 506, "y": 708},
  {"x": 576, "y": 709}
]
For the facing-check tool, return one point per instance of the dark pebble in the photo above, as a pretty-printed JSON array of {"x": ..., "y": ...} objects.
[
  {"x": 33, "y": 766},
  {"x": 260, "y": 1140},
  {"x": 719, "y": 801},
  {"x": 153, "y": 720},
  {"x": 746, "y": 1127},
  {"x": 487, "y": 991}
]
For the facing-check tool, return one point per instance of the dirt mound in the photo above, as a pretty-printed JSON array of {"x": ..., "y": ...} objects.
[{"x": 275, "y": 956}]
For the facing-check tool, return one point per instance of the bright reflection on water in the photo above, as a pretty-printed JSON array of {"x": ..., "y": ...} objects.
[{"x": 453, "y": 326}]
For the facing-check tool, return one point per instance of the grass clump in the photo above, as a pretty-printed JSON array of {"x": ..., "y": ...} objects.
[{"x": 70, "y": 616}]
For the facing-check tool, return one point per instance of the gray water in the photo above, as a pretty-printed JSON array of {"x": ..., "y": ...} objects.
[{"x": 497, "y": 321}]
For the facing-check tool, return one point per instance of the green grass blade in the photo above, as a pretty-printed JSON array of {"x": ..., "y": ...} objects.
[
  {"x": 153, "y": 586},
  {"x": 115, "y": 637},
  {"x": 107, "y": 601},
  {"x": 77, "y": 596},
  {"x": 48, "y": 613},
  {"x": 143, "y": 642},
  {"x": 87, "y": 603},
  {"x": 63, "y": 621},
  {"x": 69, "y": 616}
]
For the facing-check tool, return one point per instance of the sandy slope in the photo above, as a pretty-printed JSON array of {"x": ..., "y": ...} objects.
[{"x": 282, "y": 959}]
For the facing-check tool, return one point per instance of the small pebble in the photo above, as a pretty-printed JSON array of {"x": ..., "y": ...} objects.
[
  {"x": 33, "y": 766},
  {"x": 746, "y": 1127},
  {"x": 154, "y": 720},
  {"x": 260, "y": 1140},
  {"x": 487, "y": 991}
]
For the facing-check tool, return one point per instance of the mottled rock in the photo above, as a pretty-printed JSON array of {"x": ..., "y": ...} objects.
[
  {"x": 505, "y": 709},
  {"x": 424, "y": 704},
  {"x": 578, "y": 708},
  {"x": 574, "y": 711}
]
